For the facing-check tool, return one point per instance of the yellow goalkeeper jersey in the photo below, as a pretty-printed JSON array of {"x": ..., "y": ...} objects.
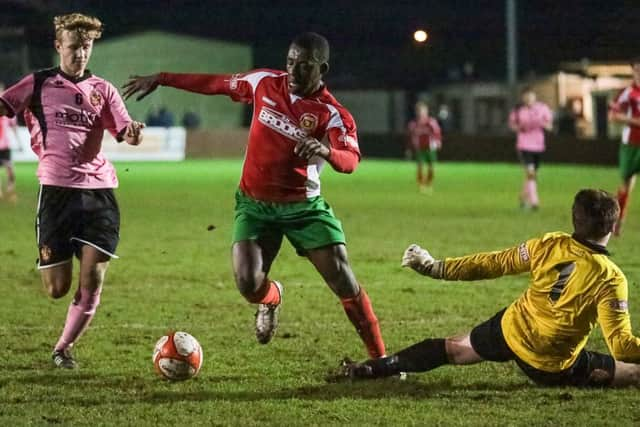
[{"x": 573, "y": 286}]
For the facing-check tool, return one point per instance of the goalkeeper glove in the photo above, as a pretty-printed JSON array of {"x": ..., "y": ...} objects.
[{"x": 421, "y": 261}]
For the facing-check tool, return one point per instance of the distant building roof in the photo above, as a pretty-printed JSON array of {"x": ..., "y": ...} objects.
[{"x": 598, "y": 68}]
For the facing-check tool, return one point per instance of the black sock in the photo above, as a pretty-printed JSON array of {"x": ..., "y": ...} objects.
[{"x": 420, "y": 357}]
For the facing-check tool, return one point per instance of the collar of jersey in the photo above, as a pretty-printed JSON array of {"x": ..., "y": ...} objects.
[
  {"x": 594, "y": 247},
  {"x": 85, "y": 76}
]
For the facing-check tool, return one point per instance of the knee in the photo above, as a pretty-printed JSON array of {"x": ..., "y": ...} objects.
[
  {"x": 57, "y": 287},
  {"x": 452, "y": 349},
  {"x": 456, "y": 351}
]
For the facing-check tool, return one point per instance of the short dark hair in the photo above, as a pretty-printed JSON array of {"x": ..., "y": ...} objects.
[
  {"x": 594, "y": 212},
  {"x": 317, "y": 44}
]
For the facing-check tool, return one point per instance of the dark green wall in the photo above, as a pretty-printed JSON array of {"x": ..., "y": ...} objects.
[{"x": 151, "y": 52}]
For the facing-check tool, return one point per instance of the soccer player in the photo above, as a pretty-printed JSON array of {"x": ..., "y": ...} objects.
[
  {"x": 7, "y": 124},
  {"x": 425, "y": 139},
  {"x": 625, "y": 109},
  {"x": 529, "y": 120},
  {"x": 573, "y": 285},
  {"x": 297, "y": 127},
  {"x": 67, "y": 109}
]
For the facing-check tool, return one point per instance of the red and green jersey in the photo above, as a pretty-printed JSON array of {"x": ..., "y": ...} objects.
[
  {"x": 628, "y": 102},
  {"x": 272, "y": 172},
  {"x": 424, "y": 133}
]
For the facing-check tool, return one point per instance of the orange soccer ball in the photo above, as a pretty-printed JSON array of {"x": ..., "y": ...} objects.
[{"x": 177, "y": 356}]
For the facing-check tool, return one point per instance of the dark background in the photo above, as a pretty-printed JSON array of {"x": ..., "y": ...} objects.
[{"x": 372, "y": 44}]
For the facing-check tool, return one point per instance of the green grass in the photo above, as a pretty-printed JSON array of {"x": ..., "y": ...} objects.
[{"x": 174, "y": 274}]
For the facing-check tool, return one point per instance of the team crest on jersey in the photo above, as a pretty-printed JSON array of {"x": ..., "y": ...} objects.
[
  {"x": 58, "y": 83},
  {"x": 45, "y": 253},
  {"x": 308, "y": 122},
  {"x": 95, "y": 98}
]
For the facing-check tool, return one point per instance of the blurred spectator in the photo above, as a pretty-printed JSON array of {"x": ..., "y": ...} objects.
[
  {"x": 7, "y": 124},
  {"x": 152, "y": 118},
  {"x": 566, "y": 122},
  {"x": 165, "y": 117},
  {"x": 191, "y": 120},
  {"x": 161, "y": 118}
]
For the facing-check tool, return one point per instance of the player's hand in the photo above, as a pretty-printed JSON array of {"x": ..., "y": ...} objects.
[
  {"x": 133, "y": 133},
  {"x": 418, "y": 259},
  {"x": 310, "y": 147},
  {"x": 143, "y": 85}
]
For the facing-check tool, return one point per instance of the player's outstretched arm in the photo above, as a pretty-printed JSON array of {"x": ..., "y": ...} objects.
[
  {"x": 479, "y": 266},
  {"x": 133, "y": 133},
  {"x": 143, "y": 85}
]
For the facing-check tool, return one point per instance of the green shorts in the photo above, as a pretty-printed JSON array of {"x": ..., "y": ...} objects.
[
  {"x": 629, "y": 160},
  {"x": 427, "y": 156},
  {"x": 310, "y": 224}
]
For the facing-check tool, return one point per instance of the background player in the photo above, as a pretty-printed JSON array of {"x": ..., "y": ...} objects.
[
  {"x": 529, "y": 120},
  {"x": 625, "y": 109},
  {"x": 279, "y": 192},
  {"x": 573, "y": 285},
  {"x": 67, "y": 110},
  {"x": 7, "y": 124},
  {"x": 425, "y": 139}
]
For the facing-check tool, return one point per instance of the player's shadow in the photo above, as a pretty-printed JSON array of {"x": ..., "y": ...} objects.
[
  {"x": 389, "y": 388},
  {"x": 412, "y": 388}
]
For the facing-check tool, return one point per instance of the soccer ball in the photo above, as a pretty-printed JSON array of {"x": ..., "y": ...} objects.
[{"x": 177, "y": 356}]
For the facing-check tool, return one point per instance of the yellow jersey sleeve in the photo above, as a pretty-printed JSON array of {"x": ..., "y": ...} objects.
[
  {"x": 615, "y": 322},
  {"x": 488, "y": 265}
]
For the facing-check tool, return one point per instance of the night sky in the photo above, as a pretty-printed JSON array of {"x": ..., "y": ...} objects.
[{"x": 371, "y": 40}]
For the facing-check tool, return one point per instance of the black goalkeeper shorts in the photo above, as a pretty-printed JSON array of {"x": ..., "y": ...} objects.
[{"x": 488, "y": 341}]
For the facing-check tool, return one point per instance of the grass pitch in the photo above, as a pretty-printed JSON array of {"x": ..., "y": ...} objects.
[{"x": 175, "y": 273}]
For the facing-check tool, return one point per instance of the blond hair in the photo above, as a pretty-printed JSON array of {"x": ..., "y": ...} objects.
[{"x": 86, "y": 27}]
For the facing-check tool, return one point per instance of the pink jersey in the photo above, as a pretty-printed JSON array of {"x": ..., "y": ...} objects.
[
  {"x": 529, "y": 122},
  {"x": 424, "y": 133},
  {"x": 5, "y": 124},
  {"x": 272, "y": 171},
  {"x": 66, "y": 118},
  {"x": 628, "y": 102}
]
